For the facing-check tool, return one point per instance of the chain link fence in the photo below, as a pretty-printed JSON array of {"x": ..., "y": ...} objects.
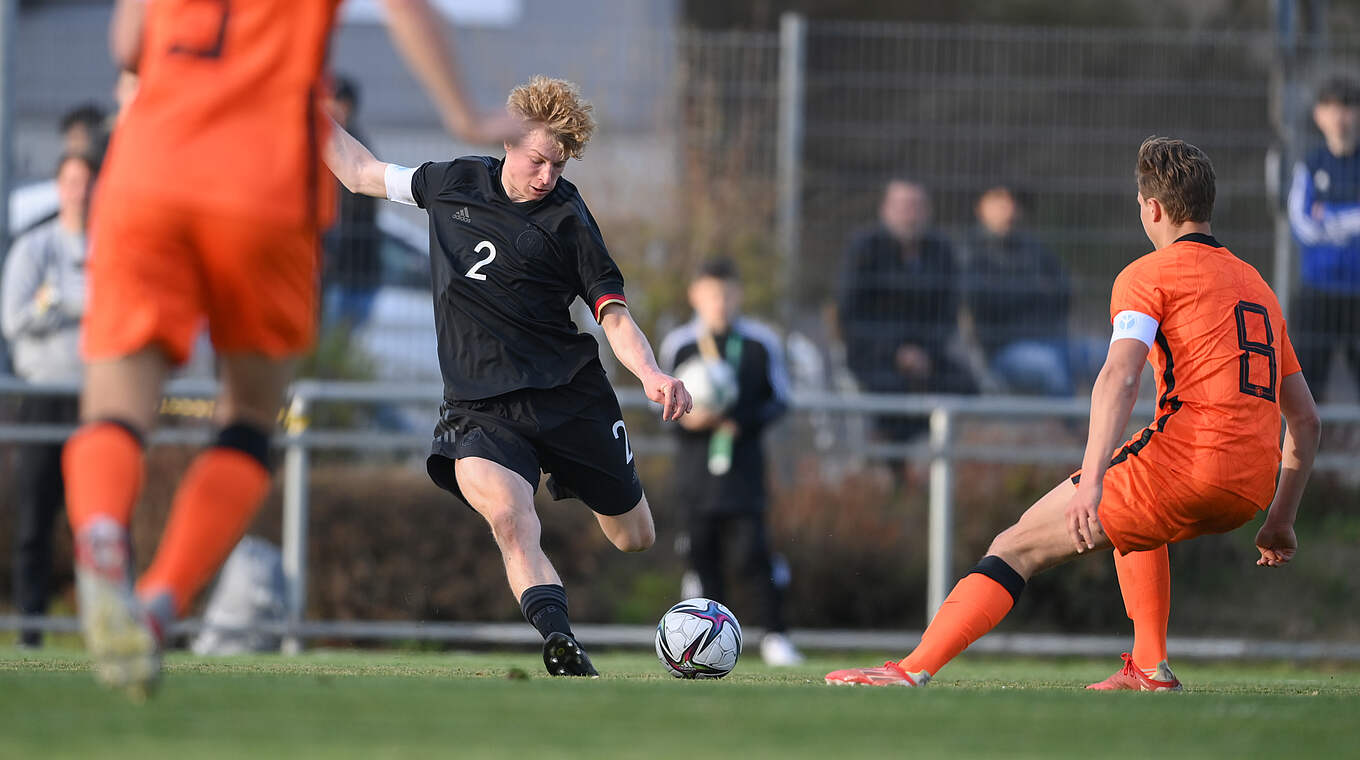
[
  {"x": 695, "y": 153},
  {"x": 1052, "y": 116},
  {"x": 701, "y": 151}
]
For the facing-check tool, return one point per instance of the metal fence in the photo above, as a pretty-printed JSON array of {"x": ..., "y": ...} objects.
[
  {"x": 776, "y": 146},
  {"x": 942, "y": 451},
  {"x": 808, "y": 126}
]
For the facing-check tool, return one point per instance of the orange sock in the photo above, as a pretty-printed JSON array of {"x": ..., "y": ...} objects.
[
  {"x": 102, "y": 466},
  {"x": 974, "y": 607},
  {"x": 214, "y": 505},
  {"x": 1145, "y": 582}
]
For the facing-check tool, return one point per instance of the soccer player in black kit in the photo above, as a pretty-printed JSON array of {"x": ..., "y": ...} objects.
[{"x": 511, "y": 247}]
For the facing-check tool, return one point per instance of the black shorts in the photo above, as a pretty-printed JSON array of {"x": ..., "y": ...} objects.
[{"x": 573, "y": 432}]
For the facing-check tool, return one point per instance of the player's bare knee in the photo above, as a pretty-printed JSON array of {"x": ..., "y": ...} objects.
[
  {"x": 259, "y": 410},
  {"x": 637, "y": 538},
  {"x": 252, "y": 389},
  {"x": 1003, "y": 543},
  {"x": 1010, "y": 545},
  {"x": 230, "y": 411},
  {"x": 634, "y": 530},
  {"x": 512, "y": 529},
  {"x": 632, "y": 544}
]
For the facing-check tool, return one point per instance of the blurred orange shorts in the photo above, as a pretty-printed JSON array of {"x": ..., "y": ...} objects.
[{"x": 157, "y": 270}]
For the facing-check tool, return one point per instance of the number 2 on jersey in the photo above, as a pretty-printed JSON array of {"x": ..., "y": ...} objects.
[
  {"x": 485, "y": 245},
  {"x": 627, "y": 450},
  {"x": 1250, "y": 347}
]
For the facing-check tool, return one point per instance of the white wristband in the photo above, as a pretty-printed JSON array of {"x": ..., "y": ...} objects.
[
  {"x": 1136, "y": 325},
  {"x": 398, "y": 180}
]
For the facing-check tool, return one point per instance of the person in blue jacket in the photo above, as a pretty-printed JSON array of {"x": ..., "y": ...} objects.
[{"x": 1324, "y": 212}]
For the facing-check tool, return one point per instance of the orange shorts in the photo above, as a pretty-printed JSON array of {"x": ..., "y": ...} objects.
[
  {"x": 158, "y": 270},
  {"x": 1146, "y": 504}
]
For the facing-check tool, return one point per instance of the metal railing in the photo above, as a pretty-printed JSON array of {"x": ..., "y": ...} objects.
[{"x": 942, "y": 452}]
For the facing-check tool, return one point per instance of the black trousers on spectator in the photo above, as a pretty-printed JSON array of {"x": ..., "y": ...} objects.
[
  {"x": 1321, "y": 322},
  {"x": 949, "y": 377},
  {"x": 39, "y": 496},
  {"x": 708, "y": 536}
]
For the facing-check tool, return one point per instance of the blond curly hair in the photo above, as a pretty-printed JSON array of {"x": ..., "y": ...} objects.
[{"x": 557, "y": 105}]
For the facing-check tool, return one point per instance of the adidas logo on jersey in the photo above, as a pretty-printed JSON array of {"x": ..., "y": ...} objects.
[{"x": 462, "y": 215}]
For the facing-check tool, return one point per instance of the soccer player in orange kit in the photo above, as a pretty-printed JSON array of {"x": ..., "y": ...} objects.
[
  {"x": 210, "y": 206},
  {"x": 1225, "y": 368}
]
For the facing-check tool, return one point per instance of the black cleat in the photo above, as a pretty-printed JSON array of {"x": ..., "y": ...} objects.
[{"x": 564, "y": 657}]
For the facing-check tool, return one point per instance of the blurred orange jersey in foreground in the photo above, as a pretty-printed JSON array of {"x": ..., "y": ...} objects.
[{"x": 225, "y": 117}]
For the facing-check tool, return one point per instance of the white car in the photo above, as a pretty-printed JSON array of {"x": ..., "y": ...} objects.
[{"x": 398, "y": 335}]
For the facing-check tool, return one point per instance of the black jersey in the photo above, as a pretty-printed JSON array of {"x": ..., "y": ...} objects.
[
  {"x": 504, "y": 275},
  {"x": 754, "y": 351}
]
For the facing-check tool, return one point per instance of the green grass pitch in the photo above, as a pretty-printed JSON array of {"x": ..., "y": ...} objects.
[{"x": 367, "y": 704}]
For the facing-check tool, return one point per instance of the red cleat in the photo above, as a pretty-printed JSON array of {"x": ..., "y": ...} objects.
[
  {"x": 891, "y": 674},
  {"x": 1132, "y": 678}
]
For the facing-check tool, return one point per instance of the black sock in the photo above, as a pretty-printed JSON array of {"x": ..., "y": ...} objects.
[{"x": 545, "y": 607}]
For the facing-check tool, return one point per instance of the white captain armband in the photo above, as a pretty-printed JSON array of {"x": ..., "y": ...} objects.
[
  {"x": 398, "y": 180},
  {"x": 1136, "y": 325}
]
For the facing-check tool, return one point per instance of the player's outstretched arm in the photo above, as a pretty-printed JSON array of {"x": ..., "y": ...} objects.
[
  {"x": 1112, "y": 399},
  {"x": 418, "y": 33},
  {"x": 1303, "y": 429},
  {"x": 635, "y": 353},
  {"x": 125, "y": 33},
  {"x": 353, "y": 164}
]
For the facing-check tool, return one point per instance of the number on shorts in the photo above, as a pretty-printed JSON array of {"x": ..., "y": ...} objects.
[
  {"x": 619, "y": 429},
  {"x": 485, "y": 245},
  {"x": 1250, "y": 347},
  {"x": 209, "y": 19}
]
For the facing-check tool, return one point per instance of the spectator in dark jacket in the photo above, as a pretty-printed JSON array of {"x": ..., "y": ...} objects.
[
  {"x": 1018, "y": 293},
  {"x": 719, "y": 468},
  {"x": 354, "y": 244},
  {"x": 898, "y": 304}
]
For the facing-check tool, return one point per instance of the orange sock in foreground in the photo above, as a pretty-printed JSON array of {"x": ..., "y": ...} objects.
[
  {"x": 215, "y": 503},
  {"x": 1145, "y": 582},
  {"x": 102, "y": 467},
  {"x": 974, "y": 607}
]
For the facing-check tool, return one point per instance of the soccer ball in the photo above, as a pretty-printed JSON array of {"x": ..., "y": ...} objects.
[
  {"x": 698, "y": 638},
  {"x": 711, "y": 382}
]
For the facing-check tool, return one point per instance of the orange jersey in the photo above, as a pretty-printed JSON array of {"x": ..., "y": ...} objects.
[
  {"x": 226, "y": 113},
  {"x": 1221, "y": 351}
]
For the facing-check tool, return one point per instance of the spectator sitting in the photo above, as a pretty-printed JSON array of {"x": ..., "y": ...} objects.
[
  {"x": 353, "y": 245},
  {"x": 1324, "y": 212},
  {"x": 43, "y": 300},
  {"x": 1017, "y": 293},
  {"x": 897, "y": 306}
]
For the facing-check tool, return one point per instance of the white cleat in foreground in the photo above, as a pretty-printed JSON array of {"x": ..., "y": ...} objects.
[{"x": 121, "y": 638}]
